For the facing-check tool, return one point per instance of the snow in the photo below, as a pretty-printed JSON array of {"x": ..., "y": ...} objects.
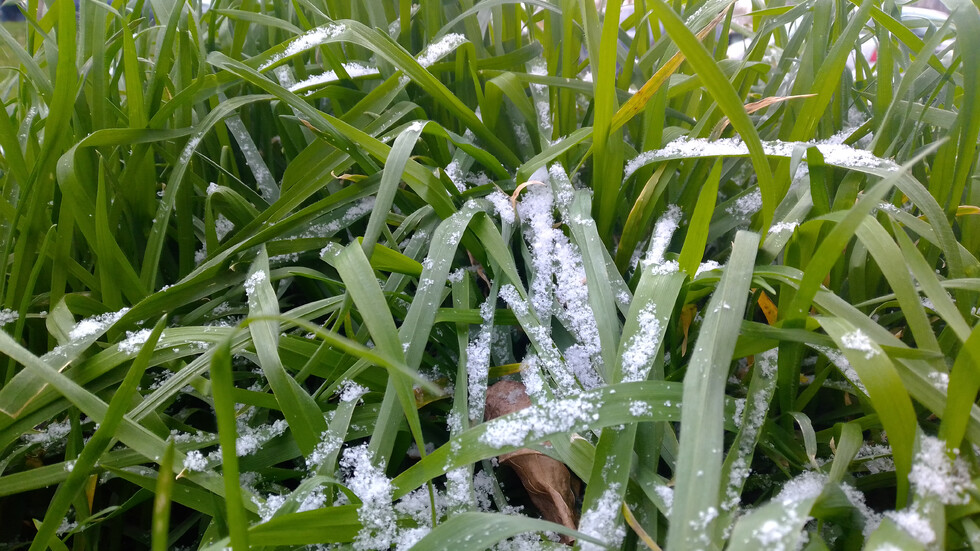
[
  {"x": 311, "y": 39},
  {"x": 934, "y": 473},
  {"x": 576, "y": 313},
  {"x": 746, "y": 205},
  {"x": 95, "y": 324},
  {"x": 328, "y": 445},
  {"x": 782, "y": 227},
  {"x": 639, "y": 408},
  {"x": 70, "y": 465},
  {"x": 514, "y": 300},
  {"x": 663, "y": 231},
  {"x": 8, "y": 316},
  {"x": 455, "y": 174},
  {"x": 707, "y": 266},
  {"x": 857, "y": 340},
  {"x": 65, "y": 527},
  {"x": 940, "y": 381},
  {"x": 352, "y": 69},
  {"x": 535, "y": 211},
  {"x": 374, "y": 489},
  {"x": 601, "y": 521},
  {"x": 643, "y": 345},
  {"x": 272, "y": 504},
  {"x": 834, "y": 152},
  {"x": 478, "y": 361},
  {"x": 878, "y": 458},
  {"x": 253, "y": 281},
  {"x": 438, "y": 50},
  {"x": 264, "y": 180},
  {"x": 666, "y": 493},
  {"x": 222, "y": 226},
  {"x": 914, "y": 524},
  {"x": 871, "y": 518},
  {"x": 195, "y": 461},
  {"x": 53, "y": 434},
  {"x": 351, "y": 391},
  {"x": 842, "y": 365},
  {"x": 313, "y": 500},
  {"x": 750, "y": 422},
  {"x": 250, "y": 439},
  {"x": 539, "y": 421},
  {"x": 326, "y": 229},
  {"x": 806, "y": 486},
  {"x": 134, "y": 341}
]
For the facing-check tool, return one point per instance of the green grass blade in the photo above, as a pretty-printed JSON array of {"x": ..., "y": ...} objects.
[{"x": 698, "y": 474}]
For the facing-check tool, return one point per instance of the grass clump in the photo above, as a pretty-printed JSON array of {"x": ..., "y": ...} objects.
[{"x": 262, "y": 261}]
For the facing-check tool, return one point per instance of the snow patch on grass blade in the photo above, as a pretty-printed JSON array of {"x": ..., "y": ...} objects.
[
  {"x": 353, "y": 70},
  {"x": 643, "y": 345},
  {"x": 374, "y": 489},
  {"x": 601, "y": 521},
  {"x": 538, "y": 421},
  {"x": 438, "y": 50},
  {"x": 95, "y": 324},
  {"x": 310, "y": 39},
  {"x": 935, "y": 473},
  {"x": 857, "y": 340},
  {"x": 833, "y": 151}
]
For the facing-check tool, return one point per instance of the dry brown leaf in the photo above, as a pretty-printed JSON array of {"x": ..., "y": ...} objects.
[
  {"x": 547, "y": 481},
  {"x": 756, "y": 106}
]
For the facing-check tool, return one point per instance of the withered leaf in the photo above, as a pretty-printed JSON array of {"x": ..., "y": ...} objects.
[{"x": 547, "y": 481}]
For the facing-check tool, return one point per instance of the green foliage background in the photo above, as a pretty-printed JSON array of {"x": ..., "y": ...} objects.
[{"x": 195, "y": 247}]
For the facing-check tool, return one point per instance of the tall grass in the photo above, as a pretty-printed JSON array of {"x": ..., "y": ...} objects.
[{"x": 262, "y": 260}]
